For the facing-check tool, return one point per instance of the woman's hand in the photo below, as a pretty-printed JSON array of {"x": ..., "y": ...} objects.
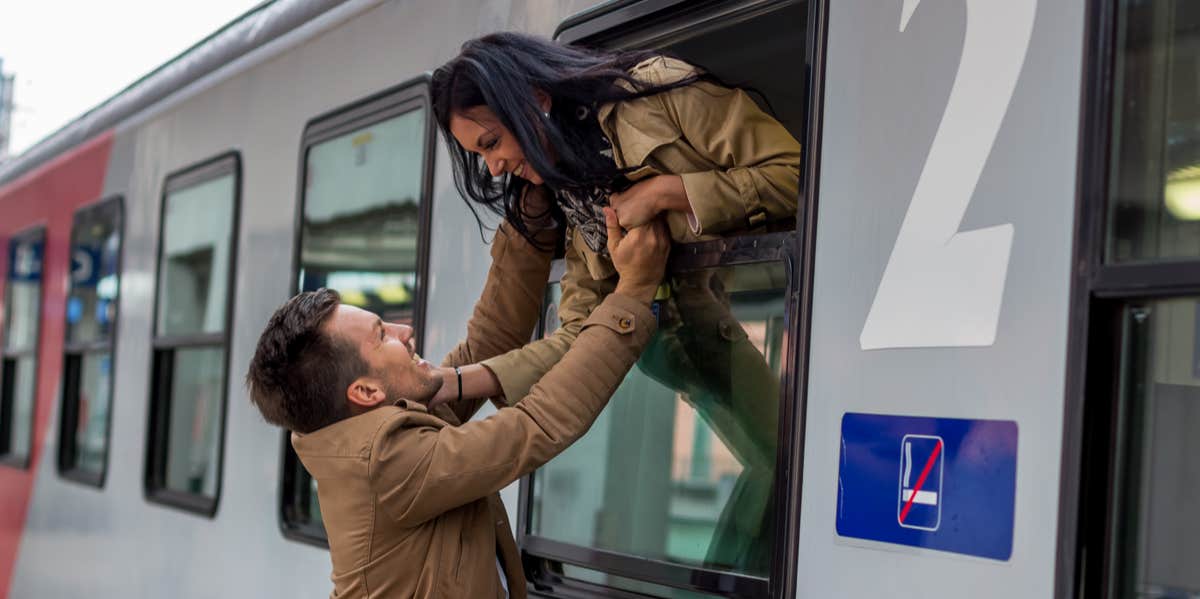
[{"x": 642, "y": 202}]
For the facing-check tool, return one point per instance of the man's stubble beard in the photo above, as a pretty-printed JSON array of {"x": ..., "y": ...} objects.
[{"x": 424, "y": 390}]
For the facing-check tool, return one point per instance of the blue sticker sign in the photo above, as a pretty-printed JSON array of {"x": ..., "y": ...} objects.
[
  {"x": 25, "y": 261},
  {"x": 937, "y": 483}
]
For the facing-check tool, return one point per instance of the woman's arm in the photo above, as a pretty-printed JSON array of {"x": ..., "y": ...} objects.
[
  {"x": 517, "y": 371},
  {"x": 759, "y": 175}
]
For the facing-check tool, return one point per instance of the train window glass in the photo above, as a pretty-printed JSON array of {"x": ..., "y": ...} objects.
[
  {"x": 91, "y": 313},
  {"x": 18, "y": 354},
  {"x": 1158, "y": 530},
  {"x": 190, "y": 370},
  {"x": 680, "y": 467},
  {"x": 362, "y": 215},
  {"x": 1155, "y": 186},
  {"x": 364, "y": 209},
  {"x": 194, "y": 269}
]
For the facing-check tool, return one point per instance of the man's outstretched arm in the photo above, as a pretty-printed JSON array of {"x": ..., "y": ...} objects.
[{"x": 420, "y": 469}]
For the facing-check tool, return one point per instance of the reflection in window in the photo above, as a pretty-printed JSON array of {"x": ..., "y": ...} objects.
[
  {"x": 195, "y": 272},
  {"x": 1155, "y": 208},
  {"x": 680, "y": 466},
  {"x": 1159, "y": 538},
  {"x": 361, "y": 215},
  {"x": 194, "y": 269},
  {"x": 94, "y": 283},
  {"x": 18, "y": 358}
]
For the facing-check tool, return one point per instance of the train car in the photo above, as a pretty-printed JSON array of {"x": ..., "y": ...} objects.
[{"x": 979, "y": 345}]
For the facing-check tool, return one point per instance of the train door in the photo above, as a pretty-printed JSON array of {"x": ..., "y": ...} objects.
[
  {"x": 1132, "y": 465},
  {"x": 682, "y": 486}
]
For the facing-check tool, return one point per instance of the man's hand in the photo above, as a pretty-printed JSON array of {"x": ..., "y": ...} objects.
[
  {"x": 640, "y": 256},
  {"x": 642, "y": 202}
]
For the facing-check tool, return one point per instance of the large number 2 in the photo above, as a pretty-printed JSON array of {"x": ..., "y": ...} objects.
[{"x": 942, "y": 287}]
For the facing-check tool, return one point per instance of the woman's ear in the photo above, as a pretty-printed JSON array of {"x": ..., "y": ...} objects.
[
  {"x": 543, "y": 100},
  {"x": 366, "y": 393}
]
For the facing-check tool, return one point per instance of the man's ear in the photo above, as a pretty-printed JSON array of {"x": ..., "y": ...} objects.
[{"x": 366, "y": 392}]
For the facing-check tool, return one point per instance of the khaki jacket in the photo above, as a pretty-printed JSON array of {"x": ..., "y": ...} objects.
[
  {"x": 740, "y": 168},
  {"x": 409, "y": 497}
]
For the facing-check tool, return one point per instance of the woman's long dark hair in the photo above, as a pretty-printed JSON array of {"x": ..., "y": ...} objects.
[{"x": 501, "y": 71}]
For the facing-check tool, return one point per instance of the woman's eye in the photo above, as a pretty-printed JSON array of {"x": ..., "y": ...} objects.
[{"x": 492, "y": 144}]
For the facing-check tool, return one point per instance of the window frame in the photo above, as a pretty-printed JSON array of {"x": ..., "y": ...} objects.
[
  {"x": 390, "y": 103},
  {"x": 659, "y": 21},
  {"x": 1094, "y": 425},
  {"x": 7, "y": 458},
  {"x": 161, "y": 347},
  {"x": 69, "y": 397}
]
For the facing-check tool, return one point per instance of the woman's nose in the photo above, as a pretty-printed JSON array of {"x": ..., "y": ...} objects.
[{"x": 496, "y": 167}]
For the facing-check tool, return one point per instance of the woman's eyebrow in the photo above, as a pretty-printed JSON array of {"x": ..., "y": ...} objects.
[{"x": 479, "y": 142}]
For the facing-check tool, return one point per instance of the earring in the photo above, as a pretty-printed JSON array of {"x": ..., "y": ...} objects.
[
  {"x": 546, "y": 115},
  {"x": 581, "y": 112}
]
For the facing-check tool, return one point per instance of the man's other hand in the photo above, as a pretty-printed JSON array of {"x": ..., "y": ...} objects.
[{"x": 640, "y": 256}]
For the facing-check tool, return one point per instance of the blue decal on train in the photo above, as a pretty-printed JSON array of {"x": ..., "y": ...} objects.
[
  {"x": 937, "y": 483},
  {"x": 25, "y": 261}
]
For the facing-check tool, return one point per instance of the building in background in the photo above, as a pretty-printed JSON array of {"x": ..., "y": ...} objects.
[{"x": 6, "y": 109}]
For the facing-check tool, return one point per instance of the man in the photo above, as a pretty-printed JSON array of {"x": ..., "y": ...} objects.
[{"x": 408, "y": 493}]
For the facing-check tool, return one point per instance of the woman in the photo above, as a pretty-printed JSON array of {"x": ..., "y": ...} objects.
[
  {"x": 533, "y": 123},
  {"x": 648, "y": 135}
]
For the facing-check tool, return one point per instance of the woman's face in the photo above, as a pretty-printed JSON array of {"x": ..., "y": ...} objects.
[{"x": 479, "y": 131}]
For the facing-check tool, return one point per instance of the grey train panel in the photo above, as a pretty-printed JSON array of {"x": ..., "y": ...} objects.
[
  {"x": 888, "y": 83},
  {"x": 79, "y": 541}
]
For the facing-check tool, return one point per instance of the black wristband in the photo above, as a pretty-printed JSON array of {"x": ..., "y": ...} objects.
[{"x": 458, "y": 373}]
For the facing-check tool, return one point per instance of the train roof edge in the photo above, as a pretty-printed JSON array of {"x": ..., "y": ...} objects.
[{"x": 265, "y": 22}]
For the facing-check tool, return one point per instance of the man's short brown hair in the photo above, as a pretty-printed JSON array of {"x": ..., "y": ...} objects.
[{"x": 299, "y": 375}]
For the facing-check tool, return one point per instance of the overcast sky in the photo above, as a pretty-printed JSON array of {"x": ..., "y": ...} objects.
[{"x": 70, "y": 55}]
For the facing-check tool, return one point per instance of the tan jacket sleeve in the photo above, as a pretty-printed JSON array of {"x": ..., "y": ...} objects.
[
  {"x": 419, "y": 470},
  {"x": 508, "y": 309},
  {"x": 519, "y": 369},
  {"x": 760, "y": 176}
]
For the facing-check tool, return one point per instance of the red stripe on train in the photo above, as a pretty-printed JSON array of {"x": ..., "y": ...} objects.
[{"x": 48, "y": 196}]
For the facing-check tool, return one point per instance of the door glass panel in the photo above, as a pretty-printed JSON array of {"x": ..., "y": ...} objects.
[
  {"x": 680, "y": 466},
  {"x": 1158, "y": 543},
  {"x": 1155, "y": 187}
]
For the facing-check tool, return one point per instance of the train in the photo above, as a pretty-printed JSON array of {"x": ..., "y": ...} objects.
[{"x": 982, "y": 333}]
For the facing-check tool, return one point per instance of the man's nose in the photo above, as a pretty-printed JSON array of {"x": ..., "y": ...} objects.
[{"x": 404, "y": 333}]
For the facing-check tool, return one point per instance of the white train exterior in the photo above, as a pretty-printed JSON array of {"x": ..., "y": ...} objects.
[{"x": 984, "y": 325}]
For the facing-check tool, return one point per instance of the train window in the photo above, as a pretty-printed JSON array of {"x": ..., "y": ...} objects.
[
  {"x": 191, "y": 335},
  {"x": 91, "y": 315},
  {"x": 18, "y": 354},
  {"x": 364, "y": 209},
  {"x": 1155, "y": 188},
  {"x": 1157, "y": 533}
]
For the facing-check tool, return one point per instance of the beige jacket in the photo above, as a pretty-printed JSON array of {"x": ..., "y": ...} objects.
[
  {"x": 409, "y": 497},
  {"x": 740, "y": 168}
]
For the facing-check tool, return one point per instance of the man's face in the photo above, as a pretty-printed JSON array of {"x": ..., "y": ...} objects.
[{"x": 388, "y": 349}]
